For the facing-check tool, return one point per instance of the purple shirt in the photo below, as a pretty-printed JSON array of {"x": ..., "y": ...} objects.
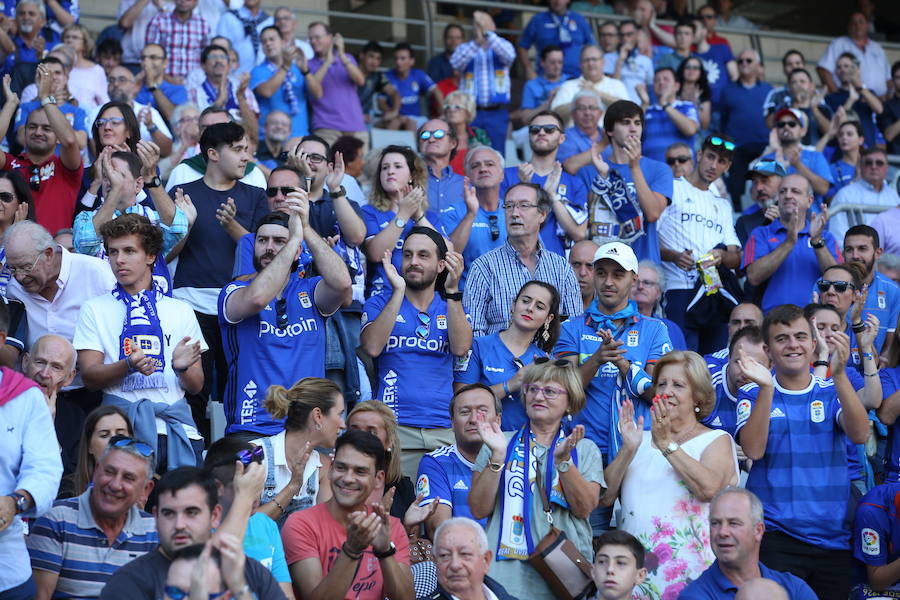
[{"x": 339, "y": 106}]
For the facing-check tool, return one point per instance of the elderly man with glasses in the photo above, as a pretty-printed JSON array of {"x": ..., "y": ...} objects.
[
  {"x": 71, "y": 554},
  {"x": 870, "y": 189}
]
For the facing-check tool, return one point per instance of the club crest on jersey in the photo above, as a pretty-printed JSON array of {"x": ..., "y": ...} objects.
[
  {"x": 561, "y": 189},
  {"x": 817, "y": 411},
  {"x": 881, "y": 301},
  {"x": 632, "y": 339},
  {"x": 305, "y": 302},
  {"x": 871, "y": 542},
  {"x": 441, "y": 321}
]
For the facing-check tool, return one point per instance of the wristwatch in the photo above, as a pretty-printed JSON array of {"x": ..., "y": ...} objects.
[
  {"x": 401, "y": 223},
  {"x": 339, "y": 192},
  {"x": 152, "y": 88},
  {"x": 672, "y": 447},
  {"x": 564, "y": 466},
  {"x": 392, "y": 550},
  {"x": 48, "y": 100},
  {"x": 153, "y": 183},
  {"x": 21, "y": 500},
  {"x": 817, "y": 245}
]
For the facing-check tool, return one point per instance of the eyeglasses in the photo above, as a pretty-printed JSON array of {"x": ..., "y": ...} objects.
[
  {"x": 590, "y": 107},
  {"x": 120, "y": 79},
  {"x": 123, "y": 441},
  {"x": 194, "y": 119},
  {"x": 717, "y": 141},
  {"x": 671, "y": 160},
  {"x": 7, "y": 197},
  {"x": 647, "y": 283},
  {"x": 874, "y": 162},
  {"x": 281, "y": 316},
  {"x": 783, "y": 124},
  {"x": 839, "y": 286},
  {"x": 35, "y": 180},
  {"x": 109, "y": 121},
  {"x": 245, "y": 456},
  {"x": 424, "y": 327},
  {"x": 708, "y": 16},
  {"x": 285, "y": 190},
  {"x": 550, "y": 393},
  {"x": 692, "y": 67},
  {"x": 454, "y": 107},
  {"x": 495, "y": 229},
  {"x": 745, "y": 61},
  {"x": 519, "y": 205},
  {"x": 152, "y": 57},
  {"x": 548, "y": 129},
  {"x": 176, "y": 593},
  {"x": 437, "y": 134},
  {"x": 316, "y": 158},
  {"x": 24, "y": 270}
]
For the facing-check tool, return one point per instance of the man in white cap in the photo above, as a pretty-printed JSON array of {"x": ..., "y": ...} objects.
[{"x": 615, "y": 349}]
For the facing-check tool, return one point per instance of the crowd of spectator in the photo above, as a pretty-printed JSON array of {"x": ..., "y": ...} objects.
[{"x": 664, "y": 339}]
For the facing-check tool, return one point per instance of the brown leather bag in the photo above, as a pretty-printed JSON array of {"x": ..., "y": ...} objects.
[{"x": 564, "y": 568}]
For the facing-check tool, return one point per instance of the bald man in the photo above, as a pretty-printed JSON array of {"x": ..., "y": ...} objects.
[
  {"x": 742, "y": 315},
  {"x": 581, "y": 257},
  {"x": 51, "y": 364}
]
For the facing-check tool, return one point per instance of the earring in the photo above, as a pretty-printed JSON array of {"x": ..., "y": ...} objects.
[
  {"x": 546, "y": 333},
  {"x": 696, "y": 409}
]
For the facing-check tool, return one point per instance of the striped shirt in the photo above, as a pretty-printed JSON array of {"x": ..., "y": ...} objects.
[
  {"x": 802, "y": 477},
  {"x": 495, "y": 278},
  {"x": 183, "y": 40},
  {"x": 485, "y": 70},
  {"x": 68, "y": 541}
]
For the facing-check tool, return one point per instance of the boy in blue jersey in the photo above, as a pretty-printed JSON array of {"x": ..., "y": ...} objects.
[
  {"x": 412, "y": 84},
  {"x": 273, "y": 321},
  {"x": 794, "y": 426},
  {"x": 876, "y": 544},
  {"x": 445, "y": 475},
  {"x": 415, "y": 334},
  {"x": 728, "y": 378}
]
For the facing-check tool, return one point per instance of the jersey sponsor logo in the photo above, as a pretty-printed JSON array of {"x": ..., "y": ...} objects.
[
  {"x": 777, "y": 413},
  {"x": 633, "y": 338},
  {"x": 460, "y": 485},
  {"x": 305, "y": 302},
  {"x": 292, "y": 330},
  {"x": 717, "y": 422},
  {"x": 389, "y": 394},
  {"x": 403, "y": 341},
  {"x": 495, "y": 369},
  {"x": 422, "y": 485},
  {"x": 441, "y": 321},
  {"x": 743, "y": 409},
  {"x": 701, "y": 220},
  {"x": 591, "y": 338},
  {"x": 248, "y": 404},
  {"x": 817, "y": 411},
  {"x": 871, "y": 541}
]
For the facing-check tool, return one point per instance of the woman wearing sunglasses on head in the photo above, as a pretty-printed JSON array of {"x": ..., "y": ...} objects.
[
  {"x": 313, "y": 410},
  {"x": 459, "y": 111},
  {"x": 499, "y": 359},
  {"x": 101, "y": 424},
  {"x": 545, "y": 457}
]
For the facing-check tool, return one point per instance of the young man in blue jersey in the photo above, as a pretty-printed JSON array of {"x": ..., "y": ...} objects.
[
  {"x": 728, "y": 378},
  {"x": 273, "y": 321},
  {"x": 795, "y": 426},
  {"x": 415, "y": 333},
  {"x": 412, "y": 84},
  {"x": 445, "y": 475},
  {"x": 876, "y": 543}
]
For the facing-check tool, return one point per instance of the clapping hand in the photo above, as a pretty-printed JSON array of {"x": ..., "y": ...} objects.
[
  {"x": 335, "y": 172},
  {"x": 226, "y": 212},
  {"x": 416, "y": 515},
  {"x": 471, "y": 198},
  {"x": 632, "y": 432},
  {"x": 397, "y": 283},
  {"x": 185, "y": 354},
  {"x": 183, "y": 201},
  {"x": 564, "y": 448},
  {"x": 490, "y": 433},
  {"x": 754, "y": 371},
  {"x": 455, "y": 265}
]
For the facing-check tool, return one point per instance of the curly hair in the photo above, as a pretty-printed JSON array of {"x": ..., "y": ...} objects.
[
  {"x": 417, "y": 173},
  {"x": 133, "y": 224}
]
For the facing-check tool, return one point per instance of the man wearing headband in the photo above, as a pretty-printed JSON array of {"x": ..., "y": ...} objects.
[
  {"x": 273, "y": 321},
  {"x": 415, "y": 333}
]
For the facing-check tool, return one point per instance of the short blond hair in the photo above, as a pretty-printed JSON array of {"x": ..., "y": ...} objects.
[
  {"x": 463, "y": 99},
  {"x": 697, "y": 375},
  {"x": 566, "y": 375},
  {"x": 392, "y": 473}
]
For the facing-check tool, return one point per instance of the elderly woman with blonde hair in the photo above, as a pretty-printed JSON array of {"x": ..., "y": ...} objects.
[
  {"x": 683, "y": 463},
  {"x": 459, "y": 112}
]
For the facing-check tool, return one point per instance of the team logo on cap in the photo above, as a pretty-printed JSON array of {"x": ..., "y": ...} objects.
[{"x": 871, "y": 542}]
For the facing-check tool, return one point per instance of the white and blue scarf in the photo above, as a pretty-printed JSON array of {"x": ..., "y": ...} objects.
[
  {"x": 142, "y": 330},
  {"x": 516, "y": 541}
]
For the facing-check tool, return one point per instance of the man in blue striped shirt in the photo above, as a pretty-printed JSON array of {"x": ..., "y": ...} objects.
[
  {"x": 77, "y": 546},
  {"x": 794, "y": 426}
]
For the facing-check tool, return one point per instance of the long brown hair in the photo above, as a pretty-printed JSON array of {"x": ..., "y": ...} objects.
[
  {"x": 84, "y": 471},
  {"x": 418, "y": 173}
]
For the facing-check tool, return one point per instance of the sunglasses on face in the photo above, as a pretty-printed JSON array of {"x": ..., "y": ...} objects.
[
  {"x": 424, "y": 327},
  {"x": 176, "y": 593},
  {"x": 437, "y": 134},
  {"x": 548, "y": 129},
  {"x": 719, "y": 142},
  {"x": 745, "y": 61},
  {"x": 285, "y": 190},
  {"x": 123, "y": 441},
  {"x": 839, "y": 286},
  {"x": 783, "y": 124},
  {"x": 281, "y": 316},
  {"x": 874, "y": 162},
  {"x": 7, "y": 197},
  {"x": 495, "y": 229},
  {"x": 671, "y": 160}
]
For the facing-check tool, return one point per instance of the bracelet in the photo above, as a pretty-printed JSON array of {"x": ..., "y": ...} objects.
[
  {"x": 821, "y": 363},
  {"x": 278, "y": 504},
  {"x": 858, "y": 327},
  {"x": 128, "y": 364},
  {"x": 506, "y": 389},
  {"x": 495, "y": 467},
  {"x": 349, "y": 554},
  {"x": 180, "y": 371},
  {"x": 875, "y": 374},
  {"x": 868, "y": 355}
]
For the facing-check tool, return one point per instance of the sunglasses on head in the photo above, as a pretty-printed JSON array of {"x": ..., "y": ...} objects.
[
  {"x": 245, "y": 456},
  {"x": 176, "y": 593},
  {"x": 719, "y": 142},
  {"x": 425, "y": 325},
  {"x": 559, "y": 362},
  {"x": 839, "y": 286},
  {"x": 495, "y": 229},
  {"x": 548, "y": 129},
  {"x": 783, "y": 124},
  {"x": 285, "y": 190},
  {"x": 437, "y": 134},
  {"x": 123, "y": 441},
  {"x": 671, "y": 160}
]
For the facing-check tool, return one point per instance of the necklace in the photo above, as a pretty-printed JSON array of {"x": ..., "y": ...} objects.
[{"x": 686, "y": 436}]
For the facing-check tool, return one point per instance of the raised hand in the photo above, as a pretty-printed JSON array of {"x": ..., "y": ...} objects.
[
  {"x": 233, "y": 561},
  {"x": 339, "y": 44},
  {"x": 821, "y": 351},
  {"x": 249, "y": 480},
  {"x": 335, "y": 172},
  {"x": 859, "y": 302},
  {"x": 866, "y": 339},
  {"x": 564, "y": 448},
  {"x": 10, "y": 95},
  {"x": 841, "y": 351},
  {"x": 551, "y": 184},
  {"x": 226, "y": 212},
  {"x": 471, "y": 198},
  {"x": 660, "y": 430},
  {"x": 183, "y": 201},
  {"x": 526, "y": 172},
  {"x": 410, "y": 203},
  {"x": 185, "y": 353},
  {"x": 43, "y": 78},
  {"x": 490, "y": 434},
  {"x": 416, "y": 515},
  {"x": 146, "y": 117},
  {"x": 611, "y": 349},
  {"x": 633, "y": 150},
  {"x": 243, "y": 84},
  {"x": 297, "y": 464},
  {"x": 455, "y": 266},
  {"x": 632, "y": 432},
  {"x": 361, "y": 530},
  {"x": 754, "y": 371},
  {"x": 597, "y": 159},
  {"x": 382, "y": 539},
  {"x": 394, "y": 279},
  {"x": 817, "y": 225},
  {"x": 148, "y": 152}
]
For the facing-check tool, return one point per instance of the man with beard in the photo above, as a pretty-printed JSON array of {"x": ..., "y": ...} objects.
[
  {"x": 273, "y": 321},
  {"x": 276, "y": 130},
  {"x": 567, "y": 221},
  {"x": 415, "y": 333},
  {"x": 862, "y": 246},
  {"x": 765, "y": 179},
  {"x": 51, "y": 364}
]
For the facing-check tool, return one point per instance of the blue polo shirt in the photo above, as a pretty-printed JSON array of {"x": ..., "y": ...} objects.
[
  {"x": 802, "y": 477},
  {"x": 876, "y": 537},
  {"x": 412, "y": 87},
  {"x": 714, "y": 585},
  {"x": 842, "y": 174},
  {"x": 491, "y": 362},
  {"x": 660, "y": 130},
  {"x": 571, "y": 193},
  {"x": 537, "y": 90},
  {"x": 544, "y": 29},
  {"x": 816, "y": 163},
  {"x": 675, "y": 334},
  {"x": 645, "y": 341},
  {"x": 883, "y": 302},
  {"x": 415, "y": 372},
  {"x": 446, "y": 191},
  {"x": 446, "y": 474},
  {"x": 488, "y": 232},
  {"x": 280, "y": 100},
  {"x": 742, "y": 118},
  {"x": 177, "y": 94},
  {"x": 791, "y": 282},
  {"x": 723, "y": 415},
  {"x": 890, "y": 384}
]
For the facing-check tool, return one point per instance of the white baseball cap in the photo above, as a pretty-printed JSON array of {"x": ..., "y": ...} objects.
[{"x": 620, "y": 253}]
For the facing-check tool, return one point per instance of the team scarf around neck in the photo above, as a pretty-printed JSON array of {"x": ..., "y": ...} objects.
[
  {"x": 142, "y": 330},
  {"x": 602, "y": 321},
  {"x": 212, "y": 94},
  {"x": 518, "y": 484}
]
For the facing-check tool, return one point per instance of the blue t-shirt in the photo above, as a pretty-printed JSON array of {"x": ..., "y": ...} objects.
[
  {"x": 723, "y": 415},
  {"x": 260, "y": 354},
  {"x": 883, "y": 302},
  {"x": 802, "y": 477},
  {"x": 863, "y": 111},
  {"x": 177, "y": 94},
  {"x": 415, "y": 371},
  {"x": 74, "y": 115},
  {"x": 414, "y": 86},
  {"x": 714, "y": 585},
  {"x": 263, "y": 543},
  {"x": 675, "y": 335},
  {"x": 544, "y": 29},
  {"x": 571, "y": 192},
  {"x": 577, "y": 142},
  {"x": 446, "y": 474},
  {"x": 715, "y": 62},
  {"x": 491, "y": 362},
  {"x": 645, "y": 341},
  {"x": 876, "y": 537},
  {"x": 660, "y": 130},
  {"x": 488, "y": 232},
  {"x": 742, "y": 118},
  {"x": 537, "y": 90},
  {"x": 890, "y": 384},
  {"x": 841, "y": 174},
  {"x": 791, "y": 282},
  {"x": 816, "y": 163},
  {"x": 281, "y": 99}
]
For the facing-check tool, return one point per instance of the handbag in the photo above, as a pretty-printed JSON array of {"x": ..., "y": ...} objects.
[{"x": 564, "y": 568}]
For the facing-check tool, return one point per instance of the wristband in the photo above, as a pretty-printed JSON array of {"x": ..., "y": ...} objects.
[
  {"x": 868, "y": 355},
  {"x": 821, "y": 363},
  {"x": 858, "y": 327},
  {"x": 506, "y": 389},
  {"x": 153, "y": 128},
  {"x": 128, "y": 364},
  {"x": 349, "y": 554},
  {"x": 875, "y": 374},
  {"x": 278, "y": 504}
]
